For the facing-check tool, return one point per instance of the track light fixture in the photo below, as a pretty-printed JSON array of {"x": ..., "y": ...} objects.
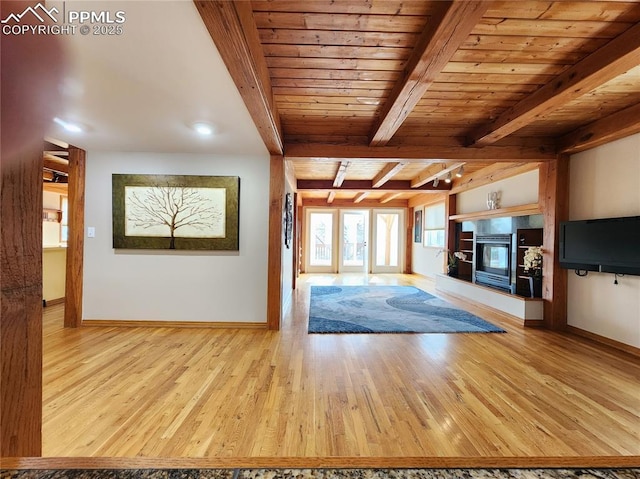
[
  {"x": 436, "y": 182},
  {"x": 460, "y": 172},
  {"x": 448, "y": 178}
]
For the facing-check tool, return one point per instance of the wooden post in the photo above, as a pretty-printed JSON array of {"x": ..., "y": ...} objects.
[
  {"x": 450, "y": 233},
  {"x": 553, "y": 195},
  {"x": 75, "y": 243},
  {"x": 274, "y": 274},
  {"x": 21, "y": 303},
  {"x": 296, "y": 241},
  {"x": 408, "y": 267}
]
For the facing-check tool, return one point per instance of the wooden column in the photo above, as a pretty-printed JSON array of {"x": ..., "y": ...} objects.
[
  {"x": 554, "y": 203},
  {"x": 21, "y": 303},
  {"x": 296, "y": 241},
  {"x": 75, "y": 243},
  {"x": 32, "y": 67},
  {"x": 450, "y": 232},
  {"x": 274, "y": 274},
  {"x": 408, "y": 267}
]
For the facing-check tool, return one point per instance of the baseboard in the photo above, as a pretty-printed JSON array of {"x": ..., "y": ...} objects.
[
  {"x": 53, "y": 302},
  {"x": 627, "y": 348},
  {"x": 115, "y": 323}
]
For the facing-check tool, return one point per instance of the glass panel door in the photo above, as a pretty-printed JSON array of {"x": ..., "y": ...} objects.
[
  {"x": 388, "y": 247},
  {"x": 320, "y": 234},
  {"x": 354, "y": 237}
]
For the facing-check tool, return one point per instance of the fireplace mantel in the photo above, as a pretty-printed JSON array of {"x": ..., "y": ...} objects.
[{"x": 522, "y": 210}]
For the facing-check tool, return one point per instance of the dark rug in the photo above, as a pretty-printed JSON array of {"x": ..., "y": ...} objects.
[{"x": 388, "y": 309}]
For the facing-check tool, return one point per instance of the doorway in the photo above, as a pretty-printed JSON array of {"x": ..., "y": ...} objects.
[
  {"x": 338, "y": 240},
  {"x": 354, "y": 235},
  {"x": 387, "y": 245}
]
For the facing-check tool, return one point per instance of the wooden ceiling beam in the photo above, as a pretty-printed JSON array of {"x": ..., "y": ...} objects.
[
  {"x": 402, "y": 186},
  {"x": 52, "y": 165},
  {"x": 341, "y": 173},
  {"x": 388, "y": 172},
  {"x": 433, "y": 172},
  {"x": 53, "y": 144},
  {"x": 491, "y": 174},
  {"x": 343, "y": 203},
  {"x": 419, "y": 154},
  {"x": 234, "y": 32},
  {"x": 613, "y": 59},
  {"x": 613, "y": 127},
  {"x": 361, "y": 196},
  {"x": 389, "y": 197},
  {"x": 434, "y": 49}
]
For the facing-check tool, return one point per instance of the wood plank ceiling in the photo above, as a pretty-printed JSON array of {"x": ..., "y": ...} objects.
[{"x": 374, "y": 99}]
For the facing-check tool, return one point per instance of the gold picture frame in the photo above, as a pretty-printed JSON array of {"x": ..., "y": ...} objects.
[{"x": 175, "y": 212}]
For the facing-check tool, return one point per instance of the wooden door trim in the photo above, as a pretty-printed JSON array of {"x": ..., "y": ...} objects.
[{"x": 75, "y": 242}]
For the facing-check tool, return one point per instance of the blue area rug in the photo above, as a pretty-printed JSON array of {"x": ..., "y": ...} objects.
[{"x": 388, "y": 309}]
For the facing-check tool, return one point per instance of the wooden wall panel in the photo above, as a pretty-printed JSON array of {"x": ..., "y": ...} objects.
[
  {"x": 274, "y": 274},
  {"x": 21, "y": 304}
]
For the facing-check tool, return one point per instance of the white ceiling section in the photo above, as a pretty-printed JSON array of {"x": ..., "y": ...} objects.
[{"x": 142, "y": 90}]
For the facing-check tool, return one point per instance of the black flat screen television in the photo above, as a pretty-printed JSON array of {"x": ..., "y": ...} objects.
[{"x": 610, "y": 245}]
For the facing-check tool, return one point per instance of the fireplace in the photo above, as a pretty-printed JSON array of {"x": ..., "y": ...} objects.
[{"x": 493, "y": 261}]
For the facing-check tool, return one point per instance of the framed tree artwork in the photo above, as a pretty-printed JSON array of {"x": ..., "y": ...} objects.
[{"x": 175, "y": 212}]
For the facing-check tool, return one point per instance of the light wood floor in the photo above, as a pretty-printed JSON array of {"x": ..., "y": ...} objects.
[{"x": 244, "y": 393}]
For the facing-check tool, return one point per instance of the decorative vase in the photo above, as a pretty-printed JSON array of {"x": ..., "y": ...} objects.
[
  {"x": 452, "y": 270},
  {"x": 535, "y": 286}
]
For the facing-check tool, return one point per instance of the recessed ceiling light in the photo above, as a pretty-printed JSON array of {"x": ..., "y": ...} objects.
[
  {"x": 202, "y": 128},
  {"x": 71, "y": 127}
]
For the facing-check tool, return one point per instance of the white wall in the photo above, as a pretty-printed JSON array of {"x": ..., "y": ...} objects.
[
  {"x": 605, "y": 182},
  {"x": 515, "y": 191},
  {"x": 427, "y": 261},
  {"x": 176, "y": 285}
]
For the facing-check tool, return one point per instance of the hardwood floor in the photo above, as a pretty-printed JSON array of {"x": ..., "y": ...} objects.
[{"x": 162, "y": 392}]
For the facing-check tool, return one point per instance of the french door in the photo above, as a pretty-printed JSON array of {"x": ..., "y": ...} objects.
[
  {"x": 321, "y": 254},
  {"x": 338, "y": 241},
  {"x": 354, "y": 238},
  {"x": 387, "y": 244}
]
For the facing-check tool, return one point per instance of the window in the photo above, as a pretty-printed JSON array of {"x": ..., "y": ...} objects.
[
  {"x": 434, "y": 225},
  {"x": 64, "y": 222}
]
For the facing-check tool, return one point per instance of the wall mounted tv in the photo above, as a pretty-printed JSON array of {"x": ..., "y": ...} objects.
[{"x": 610, "y": 245}]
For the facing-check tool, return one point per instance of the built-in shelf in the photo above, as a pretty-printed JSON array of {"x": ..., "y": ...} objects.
[
  {"x": 526, "y": 238},
  {"x": 465, "y": 245},
  {"x": 49, "y": 214},
  {"x": 522, "y": 210}
]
